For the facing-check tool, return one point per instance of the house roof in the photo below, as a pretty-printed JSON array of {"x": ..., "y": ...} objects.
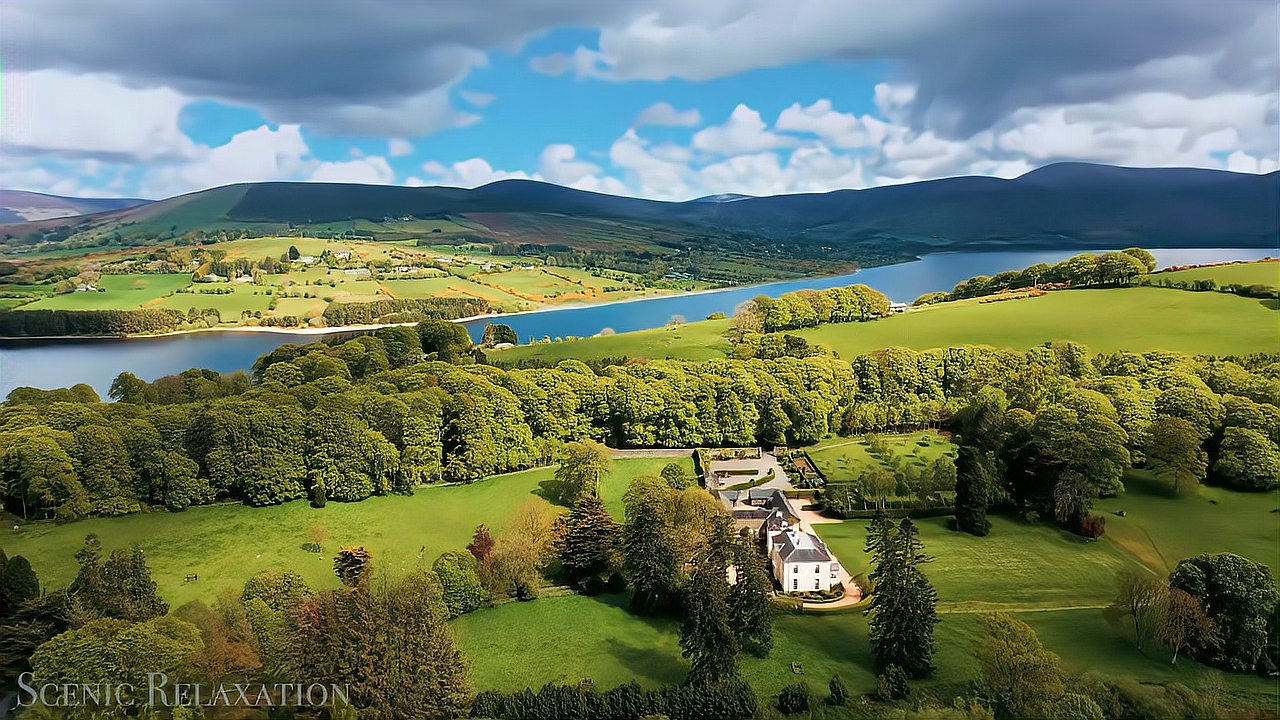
[
  {"x": 799, "y": 546},
  {"x": 741, "y": 501}
]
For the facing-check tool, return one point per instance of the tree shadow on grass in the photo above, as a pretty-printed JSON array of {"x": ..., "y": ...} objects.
[
  {"x": 553, "y": 491},
  {"x": 1270, "y": 303},
  {"x": 649, "y": 665}
]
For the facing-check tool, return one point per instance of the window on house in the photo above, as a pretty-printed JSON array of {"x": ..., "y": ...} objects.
[
  {"x": 815, "y": 585},
  {"x": 817, "y": 569},
  {"x": 795, "y": 584},
  {"x": 795, "y": 568}
]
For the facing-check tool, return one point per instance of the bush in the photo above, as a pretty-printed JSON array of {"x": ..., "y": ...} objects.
[
  {"x": 1072, "y": 706},
  {"x": 892, "y": 684},
  {"x": 1093, "y": 526},
  {"x": 838, "y": 692},
  {"x": 794, "y": 699}
]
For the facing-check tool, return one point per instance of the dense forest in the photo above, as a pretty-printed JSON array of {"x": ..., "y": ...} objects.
[{"x": 386, "y": 412}]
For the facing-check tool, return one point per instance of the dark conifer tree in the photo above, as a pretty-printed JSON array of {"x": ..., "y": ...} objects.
[
  {"x": 903, "y": 602},
  {"x": 591, "y": 541},
  {"x": 707, "y": 637},
  {"x": 975, "y": 481}
]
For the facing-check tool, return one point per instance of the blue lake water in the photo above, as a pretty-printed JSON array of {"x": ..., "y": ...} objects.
[{"x": 96, "y": 361}]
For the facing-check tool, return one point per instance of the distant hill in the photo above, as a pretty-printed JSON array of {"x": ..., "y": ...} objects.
[
  {"x": 1071, "y": 205},
  {"x": 22, "y": 206}
]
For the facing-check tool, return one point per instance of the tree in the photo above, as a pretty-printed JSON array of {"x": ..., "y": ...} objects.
[
  {"x": 650, "y": 551},
  {"x": 293, "y": 252},
  {"x": 838, "y": 691},
  {"x": 1184, "y": 623},
  {"x": 707, "y": 637},
  {"x": 750, "y": 611},
  {"x": 1247, "y": 460},
  {"x": 444, "y": 341},
  {"x": 795, "y": 699},
  {"x": 497, "y": 333},
  {"x": 129, "y": 388},
  {"x": 389, "y": 640},
  {"x": 121, "y": 587},
  {"x": 975, "y": 483},
  {"x": 18, "y": 585},
  {"x": 1140, "y": 596},
  {"x": 1240, "y": 597},
  {"x": 351, "y": 564},
  {"x": 1175, "y": 454},
  {"x": 481, "y": 545},
  {"x": 582, "y": 464},
  {"x": 903, "y": 602},
  {"x": 1019, "y": 677},
  {"x": 591, "y": 541},
  {"x": 460, "y": 584},
  {"x": 1147, "y": 259},
  {"x": 1074, "y": 706},
  {"x": 675, "y": 476}
]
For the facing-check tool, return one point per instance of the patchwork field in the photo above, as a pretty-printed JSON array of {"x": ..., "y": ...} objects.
[{"x": 212, "y": 541}]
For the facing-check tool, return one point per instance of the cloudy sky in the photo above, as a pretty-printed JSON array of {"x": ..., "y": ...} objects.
[{"x": 666, "y": 99}]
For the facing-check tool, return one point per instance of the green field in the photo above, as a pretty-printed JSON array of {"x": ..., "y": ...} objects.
[
  {"x": 227, "y": 544},
  {"x": 1160, "y": 529},
  {"x": 691, "y": 341},
  {"x": 841, "y": 459},
  {"x": 1137, "y": 319},
  {"x": 1058, "y": 583},
  {"x": 123, "y": 292},
  {"x": 1254, "y": 273}
]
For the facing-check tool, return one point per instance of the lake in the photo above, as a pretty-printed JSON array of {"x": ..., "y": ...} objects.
[{"x": 97, "y": 361}]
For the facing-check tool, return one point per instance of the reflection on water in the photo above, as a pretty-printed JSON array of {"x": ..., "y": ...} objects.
[{"x": 60, "y": 363}]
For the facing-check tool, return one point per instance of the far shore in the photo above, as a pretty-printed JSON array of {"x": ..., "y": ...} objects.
[{"x": 366, "y": 328}]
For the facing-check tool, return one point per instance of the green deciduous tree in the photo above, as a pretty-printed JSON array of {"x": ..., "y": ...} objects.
[
  {"x": 582, "y": 465},
  {"x": 650, "y": 550},
  {"x": 1175, "y": 453},
  {"x": 1247, "y": 460},
  {"x": 1240, "y": 597},
  {"x": 120, "y": 587},
  {"x": 459, "y": 576},
  {"x": 1019, "y": 677}
]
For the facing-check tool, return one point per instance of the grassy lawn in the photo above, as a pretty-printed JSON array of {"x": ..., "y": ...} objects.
[
  {"x": 1160, "y": 529},
  {"x": 226, "y": 544},
  {"x": 1265, "y": 272},
  {"x": 1018, "y": 566},
  {"x": 691, "y": 341},
  {"x": 123, "y": 292},
  {"x": 842, "y": 459},
  {"x": 1137, "y": 319}
]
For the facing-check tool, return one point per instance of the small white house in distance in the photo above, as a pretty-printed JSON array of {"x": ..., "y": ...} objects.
[
  {"x": 898, "y": 307},
  {"x": 801, "y": 561}
]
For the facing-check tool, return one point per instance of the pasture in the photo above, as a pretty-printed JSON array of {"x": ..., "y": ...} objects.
[
  {"x": 228, "y": 543},
  {"x": 1265, "y": 272},
  {"x": 1137, "y": 319},
  {"x": 691, "y": 341},
  {"x": 122, "y": 292}
]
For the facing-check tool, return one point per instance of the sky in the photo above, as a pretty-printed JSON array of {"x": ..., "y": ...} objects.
[{"x": 665, "y": 99}]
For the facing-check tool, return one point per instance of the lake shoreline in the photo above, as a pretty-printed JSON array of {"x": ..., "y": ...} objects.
[{"x": 307, "y": 331}]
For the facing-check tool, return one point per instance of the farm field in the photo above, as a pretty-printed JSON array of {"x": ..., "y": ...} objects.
[
  {"x": 841, "y": 459},
  {"x": 211, "y": 541},
  {"x": 1266, "y": 272},
  {"x": 123, "y": 292},
  {"x": 692, "y": 341},
  {"x": 468, "y": 270},
  {"x": 1137, "y": 319}
]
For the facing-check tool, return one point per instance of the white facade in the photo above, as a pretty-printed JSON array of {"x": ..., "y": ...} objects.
[{"x": 801, "y": 561}]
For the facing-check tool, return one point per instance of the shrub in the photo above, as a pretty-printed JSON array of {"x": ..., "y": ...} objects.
[
  {"x": 892, "y": 684},
  {"x": 794, "y": 699},
  {"x": 1093, "y": 526},
  {"x": 838, "y": 692},
  {"x": 1072, "y": 706}
]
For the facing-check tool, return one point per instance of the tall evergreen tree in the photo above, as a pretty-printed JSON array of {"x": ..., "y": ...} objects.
[
  {"x": 749, "y": 609},
  {"x": 707, "y": 637},
  {"x": 903, "y": 602},
  {"x": 591, "y": 541},
  {"x": 18, "y": 584},
  {"x": 120, "y": 588},
  {"x": 975, "y": 482},
  {"x": 650, "y": 552}
]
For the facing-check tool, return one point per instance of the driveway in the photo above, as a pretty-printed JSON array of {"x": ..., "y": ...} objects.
[{"x": 853, "y": 593}]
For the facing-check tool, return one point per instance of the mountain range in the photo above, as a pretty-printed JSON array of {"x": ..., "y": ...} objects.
[
  {"x": 1071, "y": 205},
  {"x": 22, "y": 206}
]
